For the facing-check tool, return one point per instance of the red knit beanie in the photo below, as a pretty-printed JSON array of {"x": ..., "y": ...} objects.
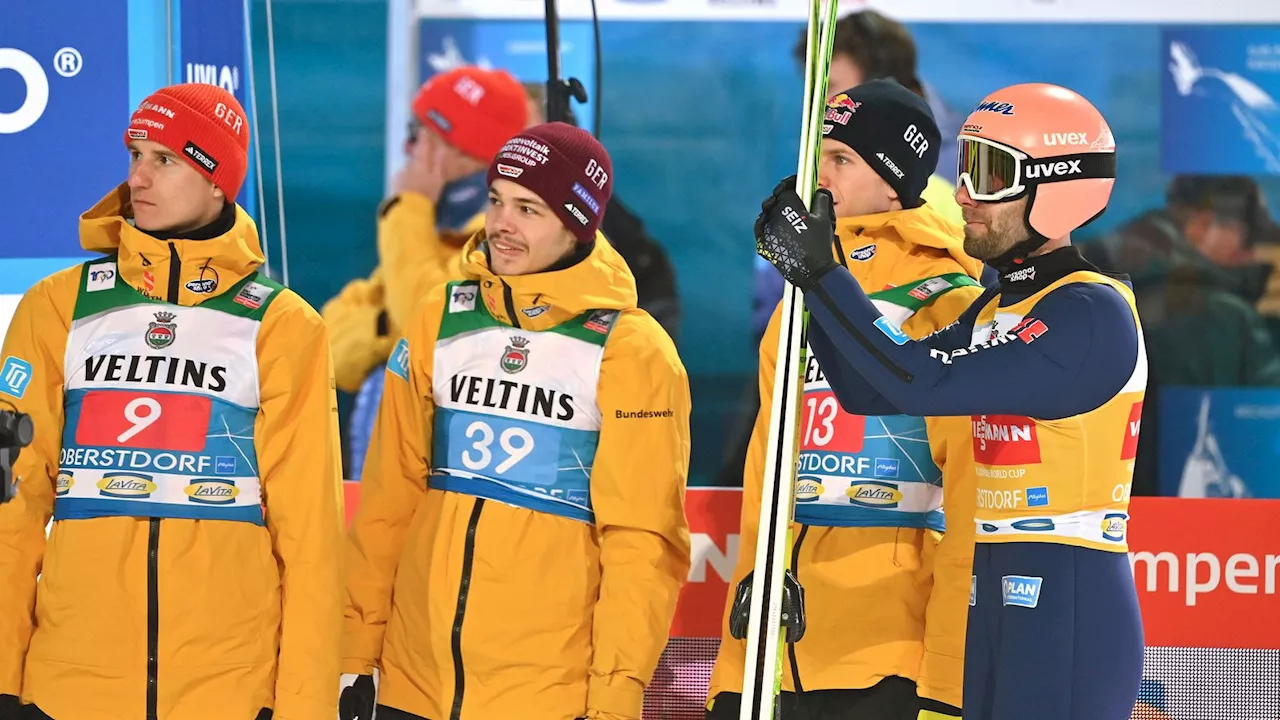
[
  {"x": 566, "y": 167},
  {"x": 202, "y": 123},
  {"x": 474, "y": 110}
]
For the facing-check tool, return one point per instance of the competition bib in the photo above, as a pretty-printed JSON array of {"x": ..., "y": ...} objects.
[
  {"x": 516, "y": 416},
  {"x": 870, "y": 471},
  {"x": 160, "y": 404}
]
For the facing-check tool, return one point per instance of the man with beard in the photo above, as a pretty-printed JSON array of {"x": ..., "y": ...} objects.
[
  {"x": 1051, "y": 371},
  {"x": 884, "y": 587}
]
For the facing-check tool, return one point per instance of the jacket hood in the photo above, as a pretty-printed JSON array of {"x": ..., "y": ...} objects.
[
  {"x": 922, "y": 226},
  {"x": 184, "y": 272},
  {"x": 600, "y": 281}
]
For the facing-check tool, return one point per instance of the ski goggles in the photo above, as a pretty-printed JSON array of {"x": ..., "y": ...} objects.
[{"x": 992, "y": 172}]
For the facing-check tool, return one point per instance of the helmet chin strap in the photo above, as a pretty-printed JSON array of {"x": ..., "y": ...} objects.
[
  {"x": 1013, "y": 257},
  {"x": 1018, "y": 254}
]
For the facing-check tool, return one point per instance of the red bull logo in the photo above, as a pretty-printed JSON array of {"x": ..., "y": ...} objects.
[
  {"x": 839, "y": 110},
  {"x": 842, "y": 101},
  {"x": 836, "y": 115}
]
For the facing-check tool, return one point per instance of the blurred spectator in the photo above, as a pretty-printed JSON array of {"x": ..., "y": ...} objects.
[
  {"x": 1197, "y": 282},
  {"x": 655, "y": 277},
  {"x": 460, "y": 120}
]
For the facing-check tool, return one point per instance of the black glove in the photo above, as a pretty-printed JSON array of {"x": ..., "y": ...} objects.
[
  {"x": 357, "y": 700},
  {"x": 796, "y": 241}
]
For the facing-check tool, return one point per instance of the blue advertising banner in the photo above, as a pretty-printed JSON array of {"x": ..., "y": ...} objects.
[
  {"x": 1219, "y": 443},
  {"x": 1220, "y": 100},
  {"x": 517, "y": 46},
  {"x": 64, "y": 104},
  {"x": 210, "y": 47}
]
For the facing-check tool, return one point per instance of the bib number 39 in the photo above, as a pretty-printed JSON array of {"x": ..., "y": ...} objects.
[{"x": 516, "y": 444}]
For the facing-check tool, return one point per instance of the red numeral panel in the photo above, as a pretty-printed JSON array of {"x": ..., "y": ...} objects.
[
  {"x": 158, "y": 421},
  {"x": 827, "y": 428}
]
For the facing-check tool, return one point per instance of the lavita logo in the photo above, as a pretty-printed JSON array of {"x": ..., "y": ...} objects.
[{"x": 226, "y": 77}]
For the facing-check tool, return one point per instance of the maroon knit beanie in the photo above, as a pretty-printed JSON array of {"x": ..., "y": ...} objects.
[{"x": 566, "y": 167}]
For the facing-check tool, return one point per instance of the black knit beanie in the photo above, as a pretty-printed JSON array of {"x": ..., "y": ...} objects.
[{"x": 892, "y": 129}]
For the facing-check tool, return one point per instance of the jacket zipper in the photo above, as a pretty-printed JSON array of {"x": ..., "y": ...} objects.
[
  {"x": 795, "y": 570},
  {"x": 510, "y": 303},
  {"x": 175, "y": 273},
  {"x": 153, "y": 545},
  {"x": 468, "y": 555},
  {"x": 153, "y": 615}
]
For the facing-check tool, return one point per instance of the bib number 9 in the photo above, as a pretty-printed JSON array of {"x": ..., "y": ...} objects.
[
  {"x": 516, "y": 444},
  {"x": 139, "y": 422},
  {"x": 173, "y": 422}
]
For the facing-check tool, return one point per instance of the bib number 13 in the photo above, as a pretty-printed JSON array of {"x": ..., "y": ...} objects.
[
  {"x": 827, "y": 428},
  {"x": 515, "y": 443}
]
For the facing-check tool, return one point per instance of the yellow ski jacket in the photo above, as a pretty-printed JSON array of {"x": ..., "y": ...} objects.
[
  {"x": 489, "y": 574},
  {"x": 192, "y": 567},
  {"x": 869, "y": 591}
]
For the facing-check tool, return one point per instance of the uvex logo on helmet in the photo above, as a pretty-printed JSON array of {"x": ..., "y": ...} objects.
[
  {"x": 1061, "y": 168},
  {"x": 1027, "y": 127}
]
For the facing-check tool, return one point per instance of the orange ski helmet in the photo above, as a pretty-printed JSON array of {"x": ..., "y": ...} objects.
[{"x": 1044, "y": 141}]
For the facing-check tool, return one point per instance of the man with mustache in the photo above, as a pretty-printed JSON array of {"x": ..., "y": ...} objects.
[
  {"x": 521, "y": 538},
  {"x": 1049, "y": 372}
]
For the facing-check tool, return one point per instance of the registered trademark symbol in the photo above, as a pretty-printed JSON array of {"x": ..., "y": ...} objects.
[{"x": 67, "y": 62}]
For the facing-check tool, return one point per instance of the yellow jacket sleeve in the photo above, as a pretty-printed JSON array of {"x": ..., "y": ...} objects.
[
  {"x": 37, "y": 337},
  {"x": 942, "y": 667},
  {"x": 352, "y": 320},
  {"x": 637, "y": 492},
  {"x": 391, "y": 488},
  {"x": 300, "y": 463},
  {"x": 414, "y": 258},
  {"x": 726, "y": 676}
]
